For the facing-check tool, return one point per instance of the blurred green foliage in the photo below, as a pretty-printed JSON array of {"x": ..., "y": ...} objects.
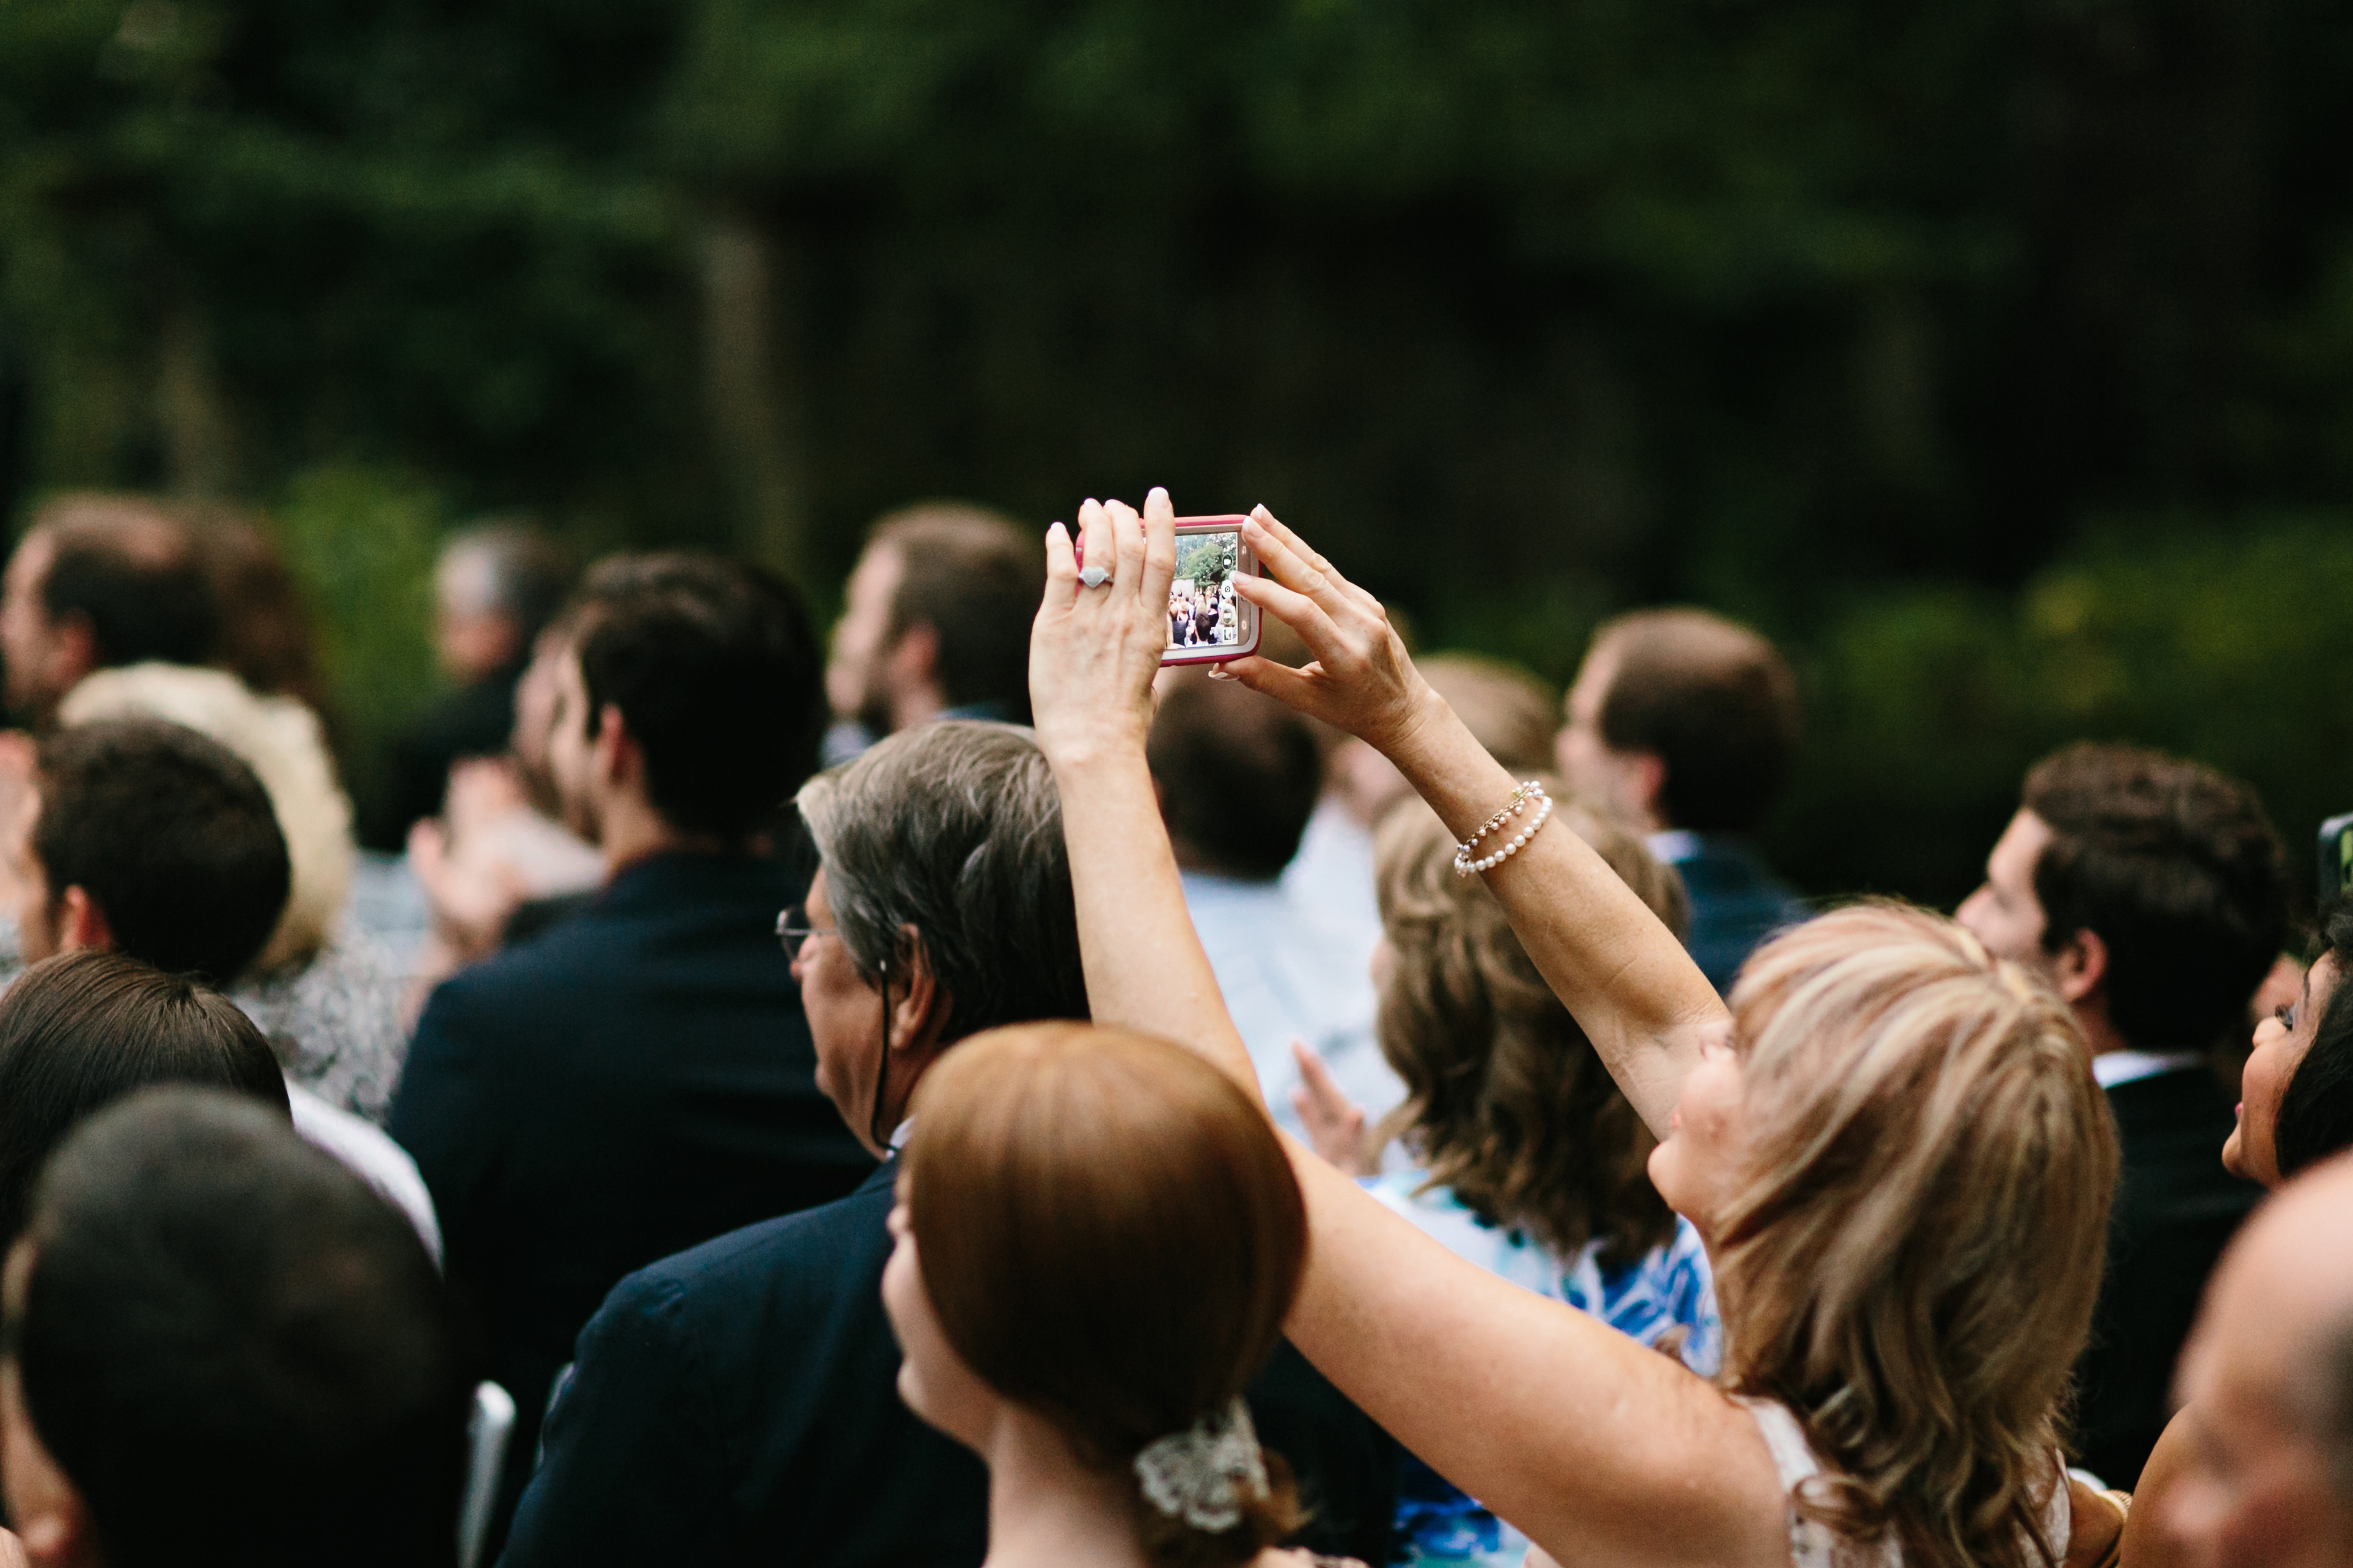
[{"x": 1854, "y": 321}]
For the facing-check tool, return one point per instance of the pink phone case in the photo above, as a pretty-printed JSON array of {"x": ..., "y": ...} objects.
[{"x": 1244, "y": 627}]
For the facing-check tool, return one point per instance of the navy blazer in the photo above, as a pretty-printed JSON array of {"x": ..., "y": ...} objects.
[
  {"x": 2176, "y": 1208},
  {"x": 635, "y": 1080},
  {"x": 739, "y": 1405},
  {"x": 1736, "y": 903}
]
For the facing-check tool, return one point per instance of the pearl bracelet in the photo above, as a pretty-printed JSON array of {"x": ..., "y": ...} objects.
[{"x": 1530, "y": 793}]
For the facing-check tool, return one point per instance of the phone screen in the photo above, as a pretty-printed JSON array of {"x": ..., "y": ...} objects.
[{"x": 1202, "y": 610}]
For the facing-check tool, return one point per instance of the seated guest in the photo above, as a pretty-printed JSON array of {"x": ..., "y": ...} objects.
[
  {"x": 2152, "y": 894},
  {"x": 327, "y": 995},
  {"x": 81, "y": 1030},
  {"x": 934, "y": 623},
  {"x": 2261, "y": 1476},
  {"x": 494, "y": 588},
  {"x": 148, "y": 839},
  {"x": 1527, "y": 1160},
  {"x": 1684, "y": 724},
  {"x": 733, "y": 1404},
  {"x": 223, "y": 1349},
  {"x": 1097, "y": 1364},
  {"x": 1890, "y": 1145},
  {"x": 98, "y": 581},
  {"x": 1237, "y": 779},
  {"x": 639, "y": 1077}
]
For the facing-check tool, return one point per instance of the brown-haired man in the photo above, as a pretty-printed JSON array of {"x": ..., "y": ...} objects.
[
  {"x": 1684, "y": 723},
  {"x": 2152, "y": 893},
  {"x": 934, "y": 623}
]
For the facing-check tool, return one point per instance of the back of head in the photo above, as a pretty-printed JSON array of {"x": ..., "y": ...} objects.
[
  {"x": 1505, "y": 1099},
  {"x": 1511, "y": 712},
  {"x": 235, "y": 1350},
  {"x": 506, "y": 569},
  {"x": 281, "y": 741},
  {"x": 1714, "y": 702},
  {"x": 170, "y": 835},
  {"x": 715, "y": 671},
  {"x": 129, "y": 565},
  {"x": 1111, "y": 1235},
  {"x": 80, "y": 1031},
  {"x": 955, "y": 828},
  {"x": 1237, "y": 775},
  {"x": 1910, "y": 1261},
  {"x": 2177, "y": 870},
  {"x": 268, "y": 638},
  {"x": 974, "y": 579}
]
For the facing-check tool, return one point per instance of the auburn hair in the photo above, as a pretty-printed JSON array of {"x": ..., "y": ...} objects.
[
  {"x": 1506, "y": 1103},
  {"x": 1111, "y": 1235},
  {"x": 1911, "y": 1259}
]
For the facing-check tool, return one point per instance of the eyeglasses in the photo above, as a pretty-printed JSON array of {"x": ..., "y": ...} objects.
[{"x": 792, "y": 930}]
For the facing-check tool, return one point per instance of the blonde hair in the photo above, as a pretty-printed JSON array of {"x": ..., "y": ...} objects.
[
  {"x": 1507, "y": 1104},
  {"x": 1910, "y": 1261},
  {"x": 281, "y": 742}
]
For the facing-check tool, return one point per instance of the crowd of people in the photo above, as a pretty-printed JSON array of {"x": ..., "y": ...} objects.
[{"x": 966, "y": 1091}]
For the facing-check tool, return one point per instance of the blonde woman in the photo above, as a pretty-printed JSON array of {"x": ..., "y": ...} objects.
[{"x": 1892, "y": 1145}]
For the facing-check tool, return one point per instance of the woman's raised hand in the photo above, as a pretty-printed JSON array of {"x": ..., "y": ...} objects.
[
  {"x": 1361, "y": 679},
  {"x": 1094, "y": 650}
]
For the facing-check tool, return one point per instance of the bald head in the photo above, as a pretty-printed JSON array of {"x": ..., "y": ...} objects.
[{"x": 2268, "y": 1383}]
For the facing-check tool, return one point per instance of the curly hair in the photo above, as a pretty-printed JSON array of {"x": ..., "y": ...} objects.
[{"x": 1506, "y": 1103}]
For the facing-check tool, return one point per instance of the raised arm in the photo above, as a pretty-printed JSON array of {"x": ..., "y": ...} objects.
[
  {"x": 1604, "y": 1451},
  {"x": 1632, "y": 986}
]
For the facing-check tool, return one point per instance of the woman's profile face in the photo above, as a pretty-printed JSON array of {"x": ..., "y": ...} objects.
[
  {"x": 2282, "y": 1041},
  {"x": 932, "y": 1379},
  {"x": 1695, "y": 1167}
]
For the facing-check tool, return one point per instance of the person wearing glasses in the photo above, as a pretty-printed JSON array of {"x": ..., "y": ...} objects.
[{"x": 737, "y": 1404}]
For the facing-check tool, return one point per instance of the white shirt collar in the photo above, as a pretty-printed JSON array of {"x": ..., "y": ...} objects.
[
  {"x": 901, "y": 1133},
  {"x": 2110, "y": 1069}
]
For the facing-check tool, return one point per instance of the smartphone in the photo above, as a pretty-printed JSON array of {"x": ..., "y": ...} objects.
[
  {"x": 2336, "y": 855},
  {"x": 1207, "y": 621}
]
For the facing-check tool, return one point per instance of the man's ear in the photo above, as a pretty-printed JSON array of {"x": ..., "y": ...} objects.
[
  {"x": 914, "y": 658},
  {"x": 1646, "y": 775},
  {"x": 81, "y": 922},
  {"x": 618, "y": 757},
  {"x": 73, "y": 650},
  {"x": 2081, "y": 965},
  {"x": 51, "y": 1521},
  {"x": 920, "y": 1005}
]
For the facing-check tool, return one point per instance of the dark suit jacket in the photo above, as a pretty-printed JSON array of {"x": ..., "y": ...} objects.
[
  {"x": 2174, "y": 1208},
  {"x": 635, "y": 1081},
  {"x": 1736, "y": 902},
  {"x": 739, "y": 1405}
]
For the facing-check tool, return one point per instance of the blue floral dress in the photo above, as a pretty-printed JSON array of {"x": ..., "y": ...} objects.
[{"x": 1667, "y": 1291}]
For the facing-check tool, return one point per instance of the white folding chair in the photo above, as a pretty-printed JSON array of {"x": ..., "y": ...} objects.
[{"x": 487, "y": 1432}]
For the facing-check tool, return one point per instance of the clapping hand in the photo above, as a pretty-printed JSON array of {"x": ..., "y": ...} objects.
[
  {"x": 1093, "y": 650},
  {"x": 1335, "y": 1123},
  {"x": 1362, "y": 679}
]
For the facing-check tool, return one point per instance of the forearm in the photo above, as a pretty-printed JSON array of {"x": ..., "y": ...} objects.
[
  {"x": 1630, "y": 984},
  {"x": 1145, "y": 966}
]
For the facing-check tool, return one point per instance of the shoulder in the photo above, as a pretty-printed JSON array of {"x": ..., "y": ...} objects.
[{"x": 798, "y": 1260}]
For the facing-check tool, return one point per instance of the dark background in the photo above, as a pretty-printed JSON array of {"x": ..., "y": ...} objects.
[{"x": 1998, "y": 358}]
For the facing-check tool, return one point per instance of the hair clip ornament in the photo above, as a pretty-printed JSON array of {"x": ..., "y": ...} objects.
[{"x": 1201, "y": 1474}]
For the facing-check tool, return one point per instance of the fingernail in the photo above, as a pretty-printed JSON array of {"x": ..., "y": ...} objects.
[
  {"x": 1056, "y": 528},
  {"x": 1157, "y": 493},
  {"x": 1217, "y": 672},
  {"x": 1260, "y": 512}
]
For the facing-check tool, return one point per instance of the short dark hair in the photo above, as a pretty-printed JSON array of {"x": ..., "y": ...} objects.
[
  {"x": 171, "y": 835},
  {"x": 129, "y": 566},
  {"x": 235, "y": 1350},
  {"x": 80, "y": 1031},
  {"x": 974, "y": 579},
  {"x": 2315, "y": 1110},
  {"x": 1712, "y": 700},
  {"x": 1239, "y": 776},
  {"x": 716, "y": 673},
  {"x": 955, "y": 828},
  {"x": 2177, "y": 870}
]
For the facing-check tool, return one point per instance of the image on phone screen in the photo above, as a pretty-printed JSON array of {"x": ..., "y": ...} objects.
[{"x": 1201, "y": 609}]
